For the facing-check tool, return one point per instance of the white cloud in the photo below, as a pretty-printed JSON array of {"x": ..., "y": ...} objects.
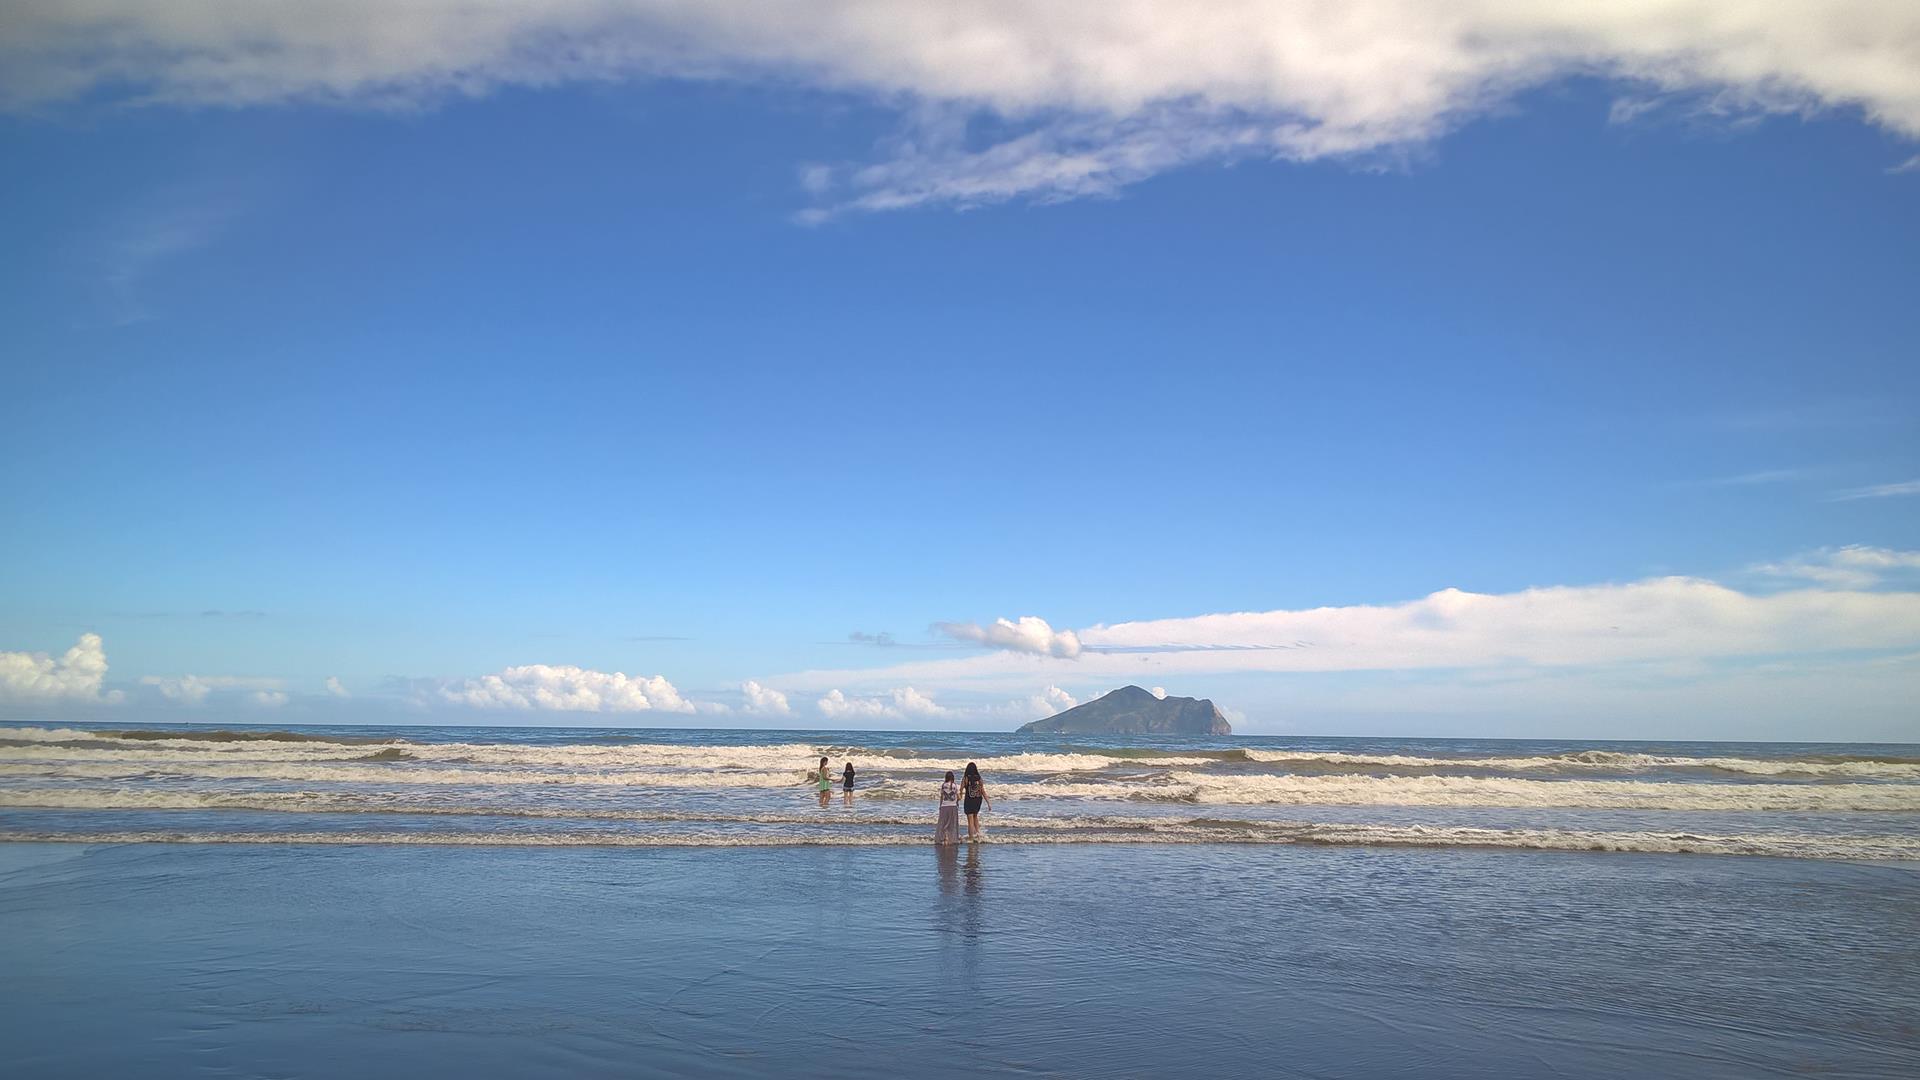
[
  {"x": 1757, "y": 479},
  {"x": 268, "y": 699},
  {"x": 899, "y": 703},
  {"x": 137, "y": 245},
  {"x": 195, "y": 689},
  {"x": 1660, "y": 620},
  {"x": 764, "y": 701},
  {"x": 75, "y": 675},
  {"x": 908, "y": 703},
  {"x": 565, "y": 688},
  {"x": 1093, "y": 95},
  {"x": 1159, "y": 692},
  {"x": 336, "y": 687},
  {"x": 1052, "y": 700},
  {"x": 1879, "y": 491},
  {"x": 1855, "y": 566},
  {"x": 1030, "y": 635}
]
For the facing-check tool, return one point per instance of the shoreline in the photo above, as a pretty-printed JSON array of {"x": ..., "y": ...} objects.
[{"x": 1697, "y": 847}]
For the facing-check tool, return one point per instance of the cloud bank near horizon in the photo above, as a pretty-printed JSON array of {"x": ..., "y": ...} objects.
[
  {"x": 565, "y": 688},
  {"x": 1830, "y": 606},
  {"x": 1836, "y": 629},
  {"x": 1085, "y": 97}
]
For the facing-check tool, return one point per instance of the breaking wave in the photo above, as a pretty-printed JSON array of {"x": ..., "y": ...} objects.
[
  {"x": 542, "y": 787},
  {"x": 1488, "y": 791},
  {"x": 1881, "y": 768},
  {"x": 77, "y": 745}
]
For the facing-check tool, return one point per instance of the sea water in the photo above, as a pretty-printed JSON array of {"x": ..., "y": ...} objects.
[
  {"x": 543, "y": 786},
  {"x": 425, "y": 902}
]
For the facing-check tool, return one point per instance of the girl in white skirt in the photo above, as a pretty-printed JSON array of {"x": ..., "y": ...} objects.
[{"x": 948, "y": 830}]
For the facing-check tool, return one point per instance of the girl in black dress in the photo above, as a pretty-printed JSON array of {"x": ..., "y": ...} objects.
[{"x": 973, "y": 792}]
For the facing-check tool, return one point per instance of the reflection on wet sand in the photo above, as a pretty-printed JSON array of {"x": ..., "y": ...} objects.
[{"x": 959, "y": 875}]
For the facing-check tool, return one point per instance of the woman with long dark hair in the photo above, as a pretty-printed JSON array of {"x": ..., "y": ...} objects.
[
  {"x": 947, "y": 831},
  {"x": 825, "y": 779},
  {"x": 973, "y": 791},
  {"x": 846, "y": 783}
]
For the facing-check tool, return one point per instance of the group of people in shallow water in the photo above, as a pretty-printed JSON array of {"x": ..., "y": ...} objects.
[{"x": 968, "y": 793}]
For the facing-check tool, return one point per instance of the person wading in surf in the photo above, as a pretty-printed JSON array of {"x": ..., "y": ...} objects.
[
  {"x": 947, "y": 829},
  {"x": 974, "y": 790},
  {"x": 826, "y": 783}
]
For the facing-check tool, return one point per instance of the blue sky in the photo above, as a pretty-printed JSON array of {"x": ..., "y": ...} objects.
[{"x": 689, "y": 385}]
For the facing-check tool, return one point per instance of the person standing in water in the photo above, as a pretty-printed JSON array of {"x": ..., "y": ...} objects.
[
  {"x": 826, "y": 782},
  {"x": 947, "y": 831},
  {"x": 846, "y": 783},
  {"x": 974, "y": 791}
]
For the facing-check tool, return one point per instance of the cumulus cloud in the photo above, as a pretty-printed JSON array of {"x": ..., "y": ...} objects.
[
  {"x": 1159, "y": 692},
  {"x": 900, "y": 703},
  {"x": 906, "y": 703},
  {"x": 565, "y": 688},
  {"x": 195, "y": 689},
  {"x": 1090, "y": 96},
  {"x": 268, "y": 699},
  {"x": 336, "y": 687},
  {"x": 763, "y": 700},
  {"x": 1031, "y": 634},
  {"x": 1053, "y": 700},
  {"x": 74, "y": 676}
]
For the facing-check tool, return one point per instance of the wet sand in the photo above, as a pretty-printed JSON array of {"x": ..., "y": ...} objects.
[{"x": 1138, "y": 960}]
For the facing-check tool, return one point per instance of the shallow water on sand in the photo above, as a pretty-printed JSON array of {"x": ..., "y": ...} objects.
[
  {"x": 367, "y": 960},
  {"x": 564, "y": 787}
]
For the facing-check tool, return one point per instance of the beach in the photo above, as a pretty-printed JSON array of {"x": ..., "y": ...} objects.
[
  {"x": 186, "y": 900},
  {"x": 553, "y": 786},
  {"x": 1085, "y": 960}
]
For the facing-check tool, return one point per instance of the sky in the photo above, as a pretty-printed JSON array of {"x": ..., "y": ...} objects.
[{"x": 1380, "y": 369}]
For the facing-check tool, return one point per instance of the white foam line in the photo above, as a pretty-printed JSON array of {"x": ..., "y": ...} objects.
[
  {"x": 779, "y": 756},
  {"x": 1879, "y": 848},
  {"x": 1487, "y": 791}
]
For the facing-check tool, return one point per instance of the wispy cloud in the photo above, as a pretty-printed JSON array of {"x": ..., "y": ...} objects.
[
  {"x": 1855, "y": 566},
  {"x": 1086, "y": 97},
  {"x": 1758, "y": 479},
  {"x": 125, "y": 252},
  {"x": 1878, "y": 491}
]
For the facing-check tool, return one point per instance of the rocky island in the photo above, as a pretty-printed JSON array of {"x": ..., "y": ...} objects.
[{"x": 1131, "y": 710}]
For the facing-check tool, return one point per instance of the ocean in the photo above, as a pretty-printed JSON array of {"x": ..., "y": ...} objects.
[
  {"x": 322, "y": 901},
  {"x": 555, "y": 786}
]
